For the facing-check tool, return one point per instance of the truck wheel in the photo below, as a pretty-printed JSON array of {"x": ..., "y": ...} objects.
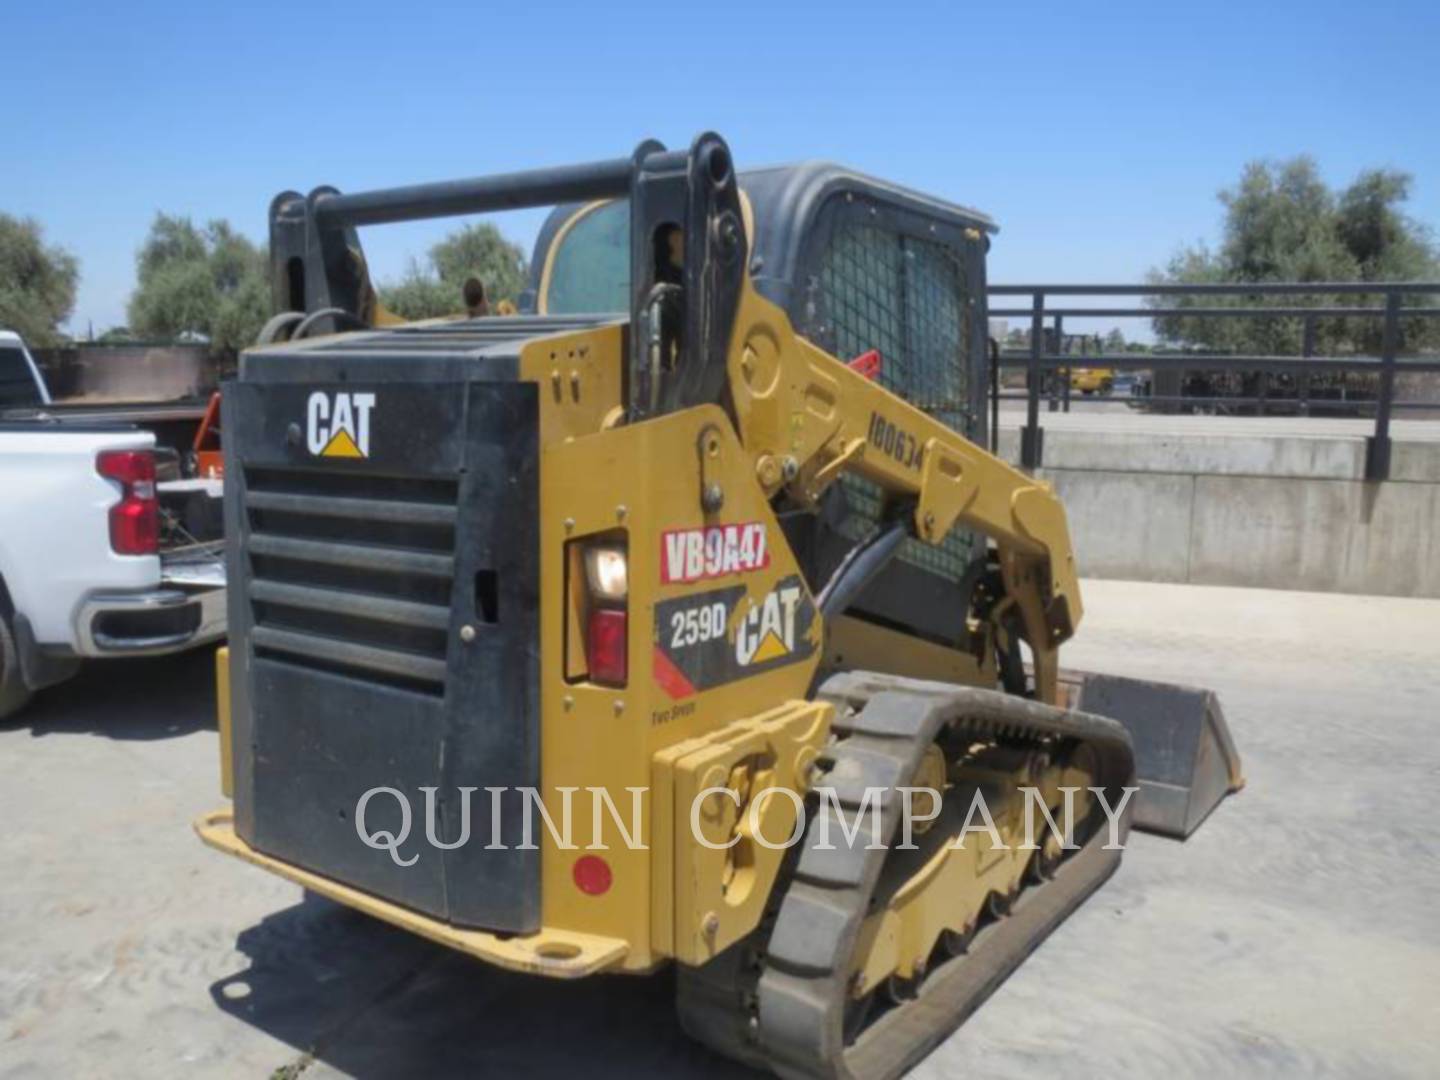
[{"x": 13, "y": 691}]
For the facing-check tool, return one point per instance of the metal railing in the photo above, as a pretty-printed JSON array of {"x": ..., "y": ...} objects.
[{"x": 1038, "y": 362}]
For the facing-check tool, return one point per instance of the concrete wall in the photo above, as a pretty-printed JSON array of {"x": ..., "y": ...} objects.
[{"x": 1277, "y": 511}]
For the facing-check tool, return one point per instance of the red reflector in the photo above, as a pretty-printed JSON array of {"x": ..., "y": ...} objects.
[
  {"x": 592, "y": 875},
  {"x": 135, "y": 519},
  {"x": 868, "y": 364},
  {"x": 605, "y": 646}
]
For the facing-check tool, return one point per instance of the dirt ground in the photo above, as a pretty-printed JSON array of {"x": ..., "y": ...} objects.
[{"x": 1294, "y": 934}]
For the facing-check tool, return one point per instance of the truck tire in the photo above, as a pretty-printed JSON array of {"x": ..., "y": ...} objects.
[{"x": 13, "y": 691}]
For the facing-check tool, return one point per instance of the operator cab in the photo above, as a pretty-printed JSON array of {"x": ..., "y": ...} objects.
[{"x": 858, "y": 264}]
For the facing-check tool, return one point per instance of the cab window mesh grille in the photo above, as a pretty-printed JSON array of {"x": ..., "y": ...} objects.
[{"x": 904, "y": 296}]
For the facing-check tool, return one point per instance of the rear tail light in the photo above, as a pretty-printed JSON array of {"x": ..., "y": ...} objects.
[
  {"x": 605, "y": 648},
  {"x": 607, "y": 620},
  {"x": 135, "y": 519}
]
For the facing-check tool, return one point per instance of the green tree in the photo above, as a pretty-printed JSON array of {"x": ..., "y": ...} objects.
[
  {"x": 1283, "y": 223},
  {"x": 420, "y": 294},
  {"x": 210, "y": 281},
  {"x": 476, "y": 250},
  {"x": 37, "y": 282},
  {"x": 1115, "y": 342}
]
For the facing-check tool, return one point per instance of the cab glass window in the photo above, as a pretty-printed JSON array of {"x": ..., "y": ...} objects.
[
  {"x": 590, "y": 270},
  {"x": 17, "y": 383}
]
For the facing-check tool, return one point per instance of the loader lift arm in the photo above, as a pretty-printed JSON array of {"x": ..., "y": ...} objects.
[{"x": 808, "y": 418}]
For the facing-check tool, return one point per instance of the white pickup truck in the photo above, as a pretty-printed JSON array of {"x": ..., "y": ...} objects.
[{"x": 95, "y": 559}]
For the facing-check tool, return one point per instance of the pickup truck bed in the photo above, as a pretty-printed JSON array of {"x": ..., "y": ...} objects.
[
  {"x": 172, "y": 422},
  {"x": 104, "y": 551}
]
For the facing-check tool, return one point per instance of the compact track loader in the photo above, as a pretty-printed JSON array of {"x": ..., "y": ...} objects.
[{"x": 549, "y": 631}]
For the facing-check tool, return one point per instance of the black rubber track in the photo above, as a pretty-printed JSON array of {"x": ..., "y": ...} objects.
[{"x": 778, "y": 999}]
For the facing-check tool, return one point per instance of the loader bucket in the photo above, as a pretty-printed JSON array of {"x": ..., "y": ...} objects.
[{"x": 1185, "y": 759}]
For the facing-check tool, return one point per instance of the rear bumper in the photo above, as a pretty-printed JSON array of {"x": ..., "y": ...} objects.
[
  {"x": 188, "y": 609},
  {"x": 558, "y": 954}
]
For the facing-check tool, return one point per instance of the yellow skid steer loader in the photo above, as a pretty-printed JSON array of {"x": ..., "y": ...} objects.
[{"x": 681, "y": 618}]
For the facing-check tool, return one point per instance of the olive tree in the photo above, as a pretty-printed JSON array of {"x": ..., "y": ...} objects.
[
  {"x": 1284, "y": 223},
  {"x": 209, "y": 281},
  {"x": 476, "y": 250},
  {"x": 37, "y": 282}
]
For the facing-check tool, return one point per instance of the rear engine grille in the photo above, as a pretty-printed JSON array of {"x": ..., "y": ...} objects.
[{"x": 351, "y": 573}]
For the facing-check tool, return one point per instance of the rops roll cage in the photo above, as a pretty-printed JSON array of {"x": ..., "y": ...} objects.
[{"x": 688, "y": 253}]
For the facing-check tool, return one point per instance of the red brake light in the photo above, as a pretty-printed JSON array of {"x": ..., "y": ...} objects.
[
  {"x": 135, "y": 519},
  {"x": 605, "y": 646}
]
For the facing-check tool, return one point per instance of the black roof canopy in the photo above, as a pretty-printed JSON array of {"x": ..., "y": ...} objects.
[{"x": 786, "y": 201}]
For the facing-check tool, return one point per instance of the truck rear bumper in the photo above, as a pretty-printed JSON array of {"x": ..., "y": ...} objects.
[
  {"x": 188, "y": 609},
  {"x": 558, "y": 954}
]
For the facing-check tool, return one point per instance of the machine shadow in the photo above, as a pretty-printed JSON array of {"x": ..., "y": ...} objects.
[
  {"x": 138, "y": 698},
  {"x": 375, "y": 1002}
]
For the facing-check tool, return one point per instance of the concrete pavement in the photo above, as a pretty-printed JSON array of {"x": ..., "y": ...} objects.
[{"x": 1294, "y": 934}]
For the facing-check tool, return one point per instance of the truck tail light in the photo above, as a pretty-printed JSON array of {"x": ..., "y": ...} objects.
[{"x": 135, "y": 519}]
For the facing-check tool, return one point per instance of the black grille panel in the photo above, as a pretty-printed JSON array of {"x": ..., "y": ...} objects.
[
  {"x": 351, "y": 579},
  {"x": 352, "y": 572}
]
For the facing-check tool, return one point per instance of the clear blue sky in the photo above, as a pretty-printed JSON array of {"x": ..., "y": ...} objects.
[{"x": 1096, "y": 133}]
